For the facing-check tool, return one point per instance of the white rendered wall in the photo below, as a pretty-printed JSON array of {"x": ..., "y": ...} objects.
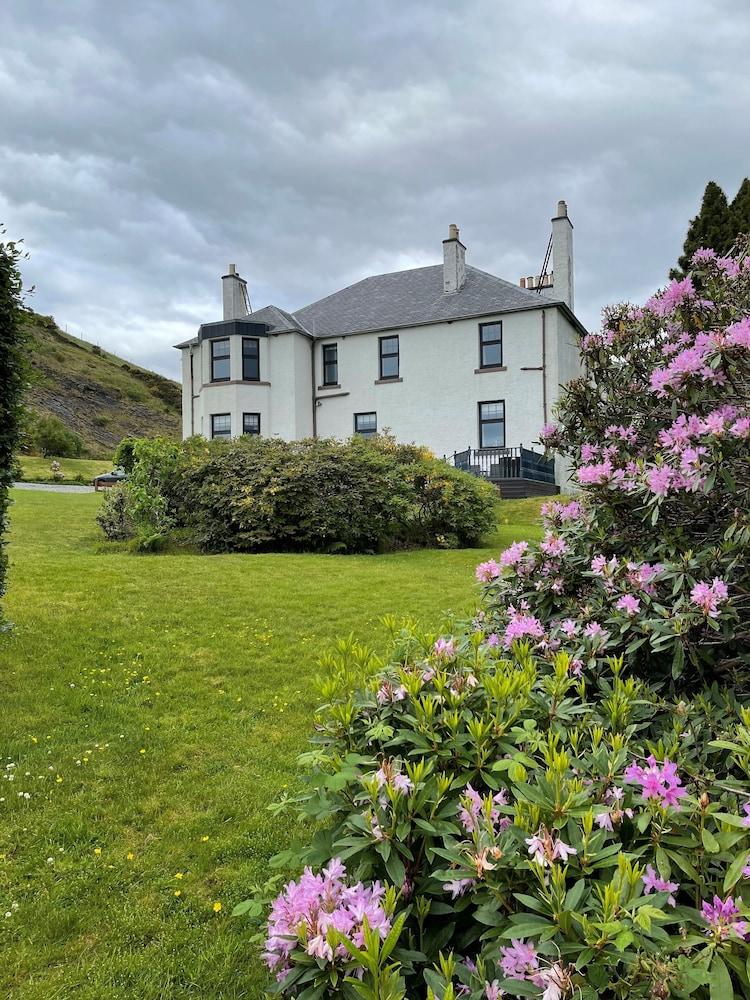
[{"x": 436, "y": 403}]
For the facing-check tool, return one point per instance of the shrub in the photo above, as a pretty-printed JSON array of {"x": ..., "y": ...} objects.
[
  {"x": 326, "y": 496},
  {"x": 11, "y": 378},
  {"x": 114, "y": 517},
  {"x": 536, "y": 830},
  {"x": 124, "y": 455},
  {"x": 653, "y": 559},
  {"x": 51, "y": 437}
]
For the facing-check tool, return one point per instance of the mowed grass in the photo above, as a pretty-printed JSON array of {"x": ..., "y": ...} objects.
[
  {"x": 153, "y": 707},
  {"x": 36, "y": 469}
]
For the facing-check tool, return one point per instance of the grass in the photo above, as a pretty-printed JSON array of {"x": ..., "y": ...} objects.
[
  {"x": 37, "y": 470},
  {"x": 153, "y": 707}
]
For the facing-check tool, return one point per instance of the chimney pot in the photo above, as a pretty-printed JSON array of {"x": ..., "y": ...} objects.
[
  {"x": 233, "y": 269},
  {"x": 562, "y": 208},
  {"x": 522, "y": 282},
  {"x": 453, "y": 231}
]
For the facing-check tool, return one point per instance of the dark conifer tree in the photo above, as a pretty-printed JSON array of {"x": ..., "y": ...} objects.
[
  {"x": 711, "y": 227},
  {"x": 11, "y": 377},
  {"x": 739, "y": 210}
]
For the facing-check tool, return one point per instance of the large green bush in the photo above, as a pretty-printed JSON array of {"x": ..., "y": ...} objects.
[
  {"x": 50, "y": 437},
  {"x": 540, "y": 834},
  {"x": 11, "y": 377},
  {"x": 256, "y": 494}
]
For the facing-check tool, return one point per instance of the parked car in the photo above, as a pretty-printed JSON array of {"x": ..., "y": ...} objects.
[{"x": 109, "y": 479}]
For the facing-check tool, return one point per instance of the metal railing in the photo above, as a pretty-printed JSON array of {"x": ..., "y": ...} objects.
[{"x": 505, "y": 463}]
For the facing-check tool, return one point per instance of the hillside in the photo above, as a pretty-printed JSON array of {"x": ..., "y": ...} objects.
[{"x": 96, "y": 394}]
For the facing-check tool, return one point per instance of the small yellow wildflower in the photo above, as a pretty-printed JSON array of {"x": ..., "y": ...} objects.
[
  {"x": 141, "y": 750},
  {"x": 130, "y": 855},
  {"x": 179, "y": 875},
  {"x": 97, "y": 850},
  {"x": 217, "y": 907},
  {"x": 178, "y": 892},
  {"x": 58, "y": 779},
  {"x": 204, "y": 838}
]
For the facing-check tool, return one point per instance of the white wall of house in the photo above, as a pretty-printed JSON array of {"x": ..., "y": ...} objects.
[
  {"x": 435, "y": 401},
  {"x": 282, "y": 396}
]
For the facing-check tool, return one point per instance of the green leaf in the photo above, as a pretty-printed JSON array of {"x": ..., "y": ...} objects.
[
  {"x": 735, "y": 870},
  {"x": 710, "y": 842},
  {"x": 720, "y": 987},
  {"x": 575, "y": 895}
]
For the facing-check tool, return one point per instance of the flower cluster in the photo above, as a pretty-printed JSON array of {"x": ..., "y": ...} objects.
[
  {"x": 305, "y": 912},
  {"x": 659, "y": 783}
]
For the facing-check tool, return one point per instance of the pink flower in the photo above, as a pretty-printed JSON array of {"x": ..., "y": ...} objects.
[
  {"x": 553, "y": 545},
  {"x": 492, "y": 990},
  {"x": 519, "y": 960},
  {"x": 598, "y": 474},
  {"x": 569, "y": 627},
  {"x": 659, "y": 478},
  {"x": 708, "y": 597},
  {"x": 661, "y": 784},
  {"x": 631, "y": 605},
  {"x": 487, "y": 571},
  {"x": 738, "y": 334},
  {"x": 388, "y": 693},
  {"x": 654, "y": 883},
  {"x": 724, "y": 917},
  {"x": 445, "y": 649},
  {"x": 595, "y": 632},
  {"x": 520, "y": 626},
  {"x": 746, "y": 817},
  {"x": 513, "y": 554},
  {"x": 305, "y": 911}
]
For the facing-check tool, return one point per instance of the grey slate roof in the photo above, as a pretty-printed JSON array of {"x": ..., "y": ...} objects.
[
  {"x": 404, "y": 298},
  {"x": 411, "y": 298}
]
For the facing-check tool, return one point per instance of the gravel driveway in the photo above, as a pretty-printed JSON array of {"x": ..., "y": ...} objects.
[{"x": 54, "y": 487}]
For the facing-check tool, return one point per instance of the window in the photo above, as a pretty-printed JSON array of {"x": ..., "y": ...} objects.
[
  {"x": 251, "y": 423},
  {"x": 250, "y": 359},
  {"x": 366, "y": 424},
  {"x": 490, "y": 345},
  {"x": 388, "y": 357},
  {"x": 492, "y": 424},
  {"x": 330, "y": 364},
  {"x": 221, "y": 425},
  {"x": 220, "y": 360}
]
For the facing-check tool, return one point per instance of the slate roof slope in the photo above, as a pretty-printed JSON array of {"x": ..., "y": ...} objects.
[{"x": 410, "y": 298}]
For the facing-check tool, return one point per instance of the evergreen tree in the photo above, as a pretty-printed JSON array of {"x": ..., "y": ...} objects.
[
  {"x": 11, "y": 376},
  {"x": 711, "y": 227},
  {"x": 739, "y": 210}
]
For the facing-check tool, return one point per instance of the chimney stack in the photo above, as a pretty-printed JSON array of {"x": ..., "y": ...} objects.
[
  {"x": 234, "y": 294},
  {"x": 454, "y": 262},
  {"x": 562, "y": 255}
]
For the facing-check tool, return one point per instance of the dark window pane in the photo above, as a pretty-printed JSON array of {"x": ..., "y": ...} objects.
[
  {"x": 251, "y": 423},
  {"x": 219, "y": 360},
  {"x": 366, "y": 424},
  {"x": 330, "y": 364},
  {"x": 389, "y": 367},
  {"x": 491, "y": 331},
  {"x": 492, "y": 424},
  {"x": 491, "y": 355},
  {"x": 250, "y": 359},
  {"x": 493, "y": 434},
  {"x": 221, "y": 425},
  {"x": 492, "y": 410},
  {"x": 389, "y": 345}
]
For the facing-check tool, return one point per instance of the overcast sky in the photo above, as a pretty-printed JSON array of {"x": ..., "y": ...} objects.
[{"x": 145, "y": 145}]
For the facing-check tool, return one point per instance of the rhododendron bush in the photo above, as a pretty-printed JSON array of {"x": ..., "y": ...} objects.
[
  {"x": 651, "y": 559},
  {"x": 491, "y": 824}
]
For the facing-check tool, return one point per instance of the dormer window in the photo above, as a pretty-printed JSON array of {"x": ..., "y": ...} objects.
[{"x": 220, "y": 360}]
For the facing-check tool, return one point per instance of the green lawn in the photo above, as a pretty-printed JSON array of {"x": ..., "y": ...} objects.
[
  {"x": 153, "y": 707},
  {"x": 37, "y": 470}
]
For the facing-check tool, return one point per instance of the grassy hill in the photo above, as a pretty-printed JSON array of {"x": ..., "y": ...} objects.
[{"x": 96, "y": 394}]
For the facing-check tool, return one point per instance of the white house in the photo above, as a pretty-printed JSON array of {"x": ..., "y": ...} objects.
[{"x": 446, "y": 356}]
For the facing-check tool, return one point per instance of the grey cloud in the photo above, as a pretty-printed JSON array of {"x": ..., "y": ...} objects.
[{"x": 143, "y": 146}]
